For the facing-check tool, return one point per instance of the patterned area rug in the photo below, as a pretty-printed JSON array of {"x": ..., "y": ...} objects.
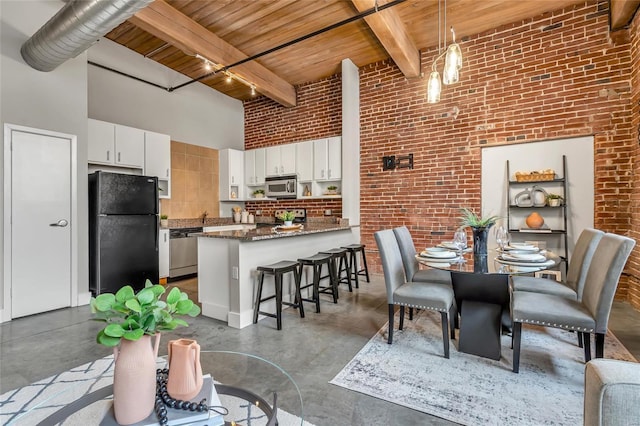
[
  {"x": 45, "y": 397},
  {"x": 471, "y": 390}
]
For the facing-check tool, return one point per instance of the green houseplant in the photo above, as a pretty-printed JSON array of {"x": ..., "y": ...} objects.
[
  {"x": 287, "y": 217},
  {"x": 479, "y": 226},
  {"x": 164, "y": 220},
  {"x": 554, "y": 200},
  {"x": 130, "y": 316},
  {"x": 258, "y": 193}
]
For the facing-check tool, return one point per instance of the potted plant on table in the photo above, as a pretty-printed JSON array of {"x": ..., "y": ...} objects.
[
  {"x": 287, "y": 217},
  {"x": 132, "y": 318},
  {"x": 554, "y": 200},
  {"x": 258, "y": 193},
  {"x": 164, "y": 220},
  {"x": 479, "y": 226}
]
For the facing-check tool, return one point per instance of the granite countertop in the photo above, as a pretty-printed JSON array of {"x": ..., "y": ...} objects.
[{"x": 268, "y": 233}]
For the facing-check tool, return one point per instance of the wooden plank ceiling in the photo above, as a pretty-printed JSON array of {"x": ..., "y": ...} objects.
[{"x": 172, "y": 32}]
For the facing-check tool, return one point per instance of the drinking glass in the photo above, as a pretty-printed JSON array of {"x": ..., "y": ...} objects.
[
  {"x": 460, "y": 240},
  {"x": 500, "y": 236}
]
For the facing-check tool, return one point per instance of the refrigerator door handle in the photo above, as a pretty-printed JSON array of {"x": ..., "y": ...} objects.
[{"x": 61, "y": 223}]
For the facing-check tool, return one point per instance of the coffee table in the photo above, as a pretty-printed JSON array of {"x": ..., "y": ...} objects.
[
  {"x": 248, "y": 386},
  {"x": 481, "y": 290}
]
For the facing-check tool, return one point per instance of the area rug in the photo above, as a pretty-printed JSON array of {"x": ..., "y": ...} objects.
[
  {"x": 472, "y": 390},
  {"x": 47, "y": 396}
]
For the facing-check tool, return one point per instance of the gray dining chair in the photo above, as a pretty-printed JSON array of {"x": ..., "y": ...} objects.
[
  {"x": 435, "y": 297},
  {"x": 588, "y": 315},
  {"x": 573, "y": 285},
  {"x": 412, "y": 269}
]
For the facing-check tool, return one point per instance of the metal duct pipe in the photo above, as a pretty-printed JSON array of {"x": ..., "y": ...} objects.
[{"x": 72, "y": 30}]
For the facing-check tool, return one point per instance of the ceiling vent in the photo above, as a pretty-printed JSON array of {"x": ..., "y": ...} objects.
[{"x": 71, "y": 31}]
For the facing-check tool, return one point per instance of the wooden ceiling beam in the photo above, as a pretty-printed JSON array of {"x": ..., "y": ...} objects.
[
  {"x": 621, "y": 12},
  {"x": 392, "y": 34},
  {"x": 172, "y": 26}
]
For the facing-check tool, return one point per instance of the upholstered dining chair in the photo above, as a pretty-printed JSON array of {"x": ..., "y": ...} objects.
[
  {"x": 435, "y": 297},
  {"x": 586, "y": 316},
  {"x": 573, "y": 285},
  {"x": 411, "y": 266}
]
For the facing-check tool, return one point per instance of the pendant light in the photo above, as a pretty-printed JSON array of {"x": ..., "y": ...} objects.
[{"x": 452, "y": 62}]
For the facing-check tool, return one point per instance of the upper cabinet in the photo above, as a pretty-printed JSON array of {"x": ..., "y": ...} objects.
[
  {"x": 327, "y": 159},
  {"x": 281, "y": 160},
  {"x": 231, "y": 174},
  {"x": 157, "y": 160},
  {"x": 116, "y": 145},
  {"x": 304, "y": 161},
  {"x": 254, "y": 167}
]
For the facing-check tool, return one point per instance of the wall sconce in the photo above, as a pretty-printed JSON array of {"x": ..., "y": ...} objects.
[{"x": 400, "y": 162}]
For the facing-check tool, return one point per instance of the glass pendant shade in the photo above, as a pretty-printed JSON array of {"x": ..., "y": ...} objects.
[
  {"x": 450, "y": 74},
  {"x": 433, "y": 88},
  {"x": 454, "y": 56}
]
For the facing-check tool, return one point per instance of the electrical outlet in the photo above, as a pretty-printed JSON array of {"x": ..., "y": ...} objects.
[{"x": 234, "y": 272}]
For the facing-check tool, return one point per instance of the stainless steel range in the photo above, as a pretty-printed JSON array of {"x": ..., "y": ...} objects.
[{"x": 301, "y": 215}]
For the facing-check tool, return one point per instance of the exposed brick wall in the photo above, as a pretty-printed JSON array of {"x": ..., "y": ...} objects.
[
  {"x": 556, "y": 75},
  {"x": 633, "y": 266}
]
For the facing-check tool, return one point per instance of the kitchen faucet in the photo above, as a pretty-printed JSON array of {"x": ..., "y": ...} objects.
[{"x": 204, "y": 216}]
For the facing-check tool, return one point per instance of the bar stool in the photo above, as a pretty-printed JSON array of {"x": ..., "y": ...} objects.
[
  {"x": 278, "y": 270},
  {"x": 340, "y": 264},
  {"x": 316, "y": 261},
  {"x": 353, "y": 262}
]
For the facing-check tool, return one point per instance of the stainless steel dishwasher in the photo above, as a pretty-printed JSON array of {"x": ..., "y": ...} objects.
[{"x": 183, "y": 252}]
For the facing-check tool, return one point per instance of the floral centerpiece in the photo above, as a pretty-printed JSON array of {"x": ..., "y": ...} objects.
[
  {"x": 479, "y": 226},
  {"x": 132, "y": 318},
  {"x": 287, "y": 217}
]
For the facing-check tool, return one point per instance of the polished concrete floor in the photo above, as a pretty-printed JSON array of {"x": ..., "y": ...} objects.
[{"x": 313, "y": 350}]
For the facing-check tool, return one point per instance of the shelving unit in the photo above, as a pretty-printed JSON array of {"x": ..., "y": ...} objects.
[{"x": 557, "y": 215}]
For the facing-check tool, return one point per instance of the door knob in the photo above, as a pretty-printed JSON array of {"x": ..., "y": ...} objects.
[{"x": 61, "y": 223}]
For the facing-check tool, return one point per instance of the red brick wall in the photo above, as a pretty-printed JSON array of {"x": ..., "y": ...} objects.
[
  {"x": 633, "y": 266},
  {"x": 552, "y": 76}
]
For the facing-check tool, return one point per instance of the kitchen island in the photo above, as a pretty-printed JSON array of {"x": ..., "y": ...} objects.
[{"x": 228, "y": 261}]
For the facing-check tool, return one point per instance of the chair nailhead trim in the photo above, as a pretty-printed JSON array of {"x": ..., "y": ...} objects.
[
  {"x": 431, "y": 308},
  {"x": 566, "y": 327}
]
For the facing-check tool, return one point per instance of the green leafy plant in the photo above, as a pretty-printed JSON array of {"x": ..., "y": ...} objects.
[
  {"x": 130, "y": 316},
  {"x": 554, "y": 197},
  {"x": 258, "y": 191},
  {"x": 164, "y": 217},
  {"x": 287, "y": 216},
  {"x": 332, "y": 188},
  {"x": 470, "y": 218}
]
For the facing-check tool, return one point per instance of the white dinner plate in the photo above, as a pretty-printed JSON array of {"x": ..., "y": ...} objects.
[
  {"x": 523, "y": 257},
  {"x": 521, "y": 248},
  {"x": 449, "y": 245},
  {"x": 436, "y": 249},
  {"x": 445, "y": 254},
  {"x": 539, "y": 265}
]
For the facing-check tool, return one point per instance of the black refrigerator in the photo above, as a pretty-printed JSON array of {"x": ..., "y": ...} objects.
[{"x": 123, "y": 231}]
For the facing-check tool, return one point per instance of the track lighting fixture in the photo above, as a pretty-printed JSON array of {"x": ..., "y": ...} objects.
[{"x": 209, "y": 65}]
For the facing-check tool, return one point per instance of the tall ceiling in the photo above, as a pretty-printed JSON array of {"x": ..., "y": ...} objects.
[{"x": 226, "y": 32}]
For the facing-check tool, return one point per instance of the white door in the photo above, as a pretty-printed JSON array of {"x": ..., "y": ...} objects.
[{"x": 40, "y": 221}]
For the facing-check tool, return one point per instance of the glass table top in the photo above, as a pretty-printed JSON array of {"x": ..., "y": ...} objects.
[
  {"x": 491, "y": 263},
  {"x": 245, "y": 384}
]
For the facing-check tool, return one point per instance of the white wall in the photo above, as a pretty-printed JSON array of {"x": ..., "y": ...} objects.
[
  {"x": 540, "y": 156},
  {"x": 194, "y": 114},
  {"x": 56, "y": 101}
]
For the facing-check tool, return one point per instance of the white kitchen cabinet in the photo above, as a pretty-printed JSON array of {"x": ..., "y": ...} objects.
[
  {"x": 163, "y": 253},
  {"x": 114, "y": 144},
  {"x": 327, "y": 159},
  {"x": 304, "y": 161},
  {"x": 157, "y": 160},
  {"x": 231, "y": 174},
  {"x": 281, "y": 160},
  {"x": 254, "y": 167}
]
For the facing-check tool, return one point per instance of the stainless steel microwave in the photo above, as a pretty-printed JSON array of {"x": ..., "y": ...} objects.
[{"x": 281, "y": 186}]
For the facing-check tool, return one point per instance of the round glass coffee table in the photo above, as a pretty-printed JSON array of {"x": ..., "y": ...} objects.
[{"x": 251, "y": 390}]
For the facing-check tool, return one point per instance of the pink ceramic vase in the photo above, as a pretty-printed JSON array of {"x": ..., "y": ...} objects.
[
  {"x": 185, "y": 372},
  {"x": 134, "y": 379}
]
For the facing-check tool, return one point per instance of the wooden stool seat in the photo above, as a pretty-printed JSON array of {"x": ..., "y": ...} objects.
[
  {"x": 354, "y": 249},
  {"x": 316, "y": 261},
  {"x": 278, "y": 270}
]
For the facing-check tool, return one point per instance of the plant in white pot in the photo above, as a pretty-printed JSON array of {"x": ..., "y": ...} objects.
[
  {"x": 132, "y": 319},
  {"x": 287, "y": 217},
  {"x": 555, "y": 200},
  {"x": 258, "y": 193},
  {"x": 164, "y": 220}
]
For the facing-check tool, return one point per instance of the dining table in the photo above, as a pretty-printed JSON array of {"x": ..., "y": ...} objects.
[{"x": 481, "y": 289}]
